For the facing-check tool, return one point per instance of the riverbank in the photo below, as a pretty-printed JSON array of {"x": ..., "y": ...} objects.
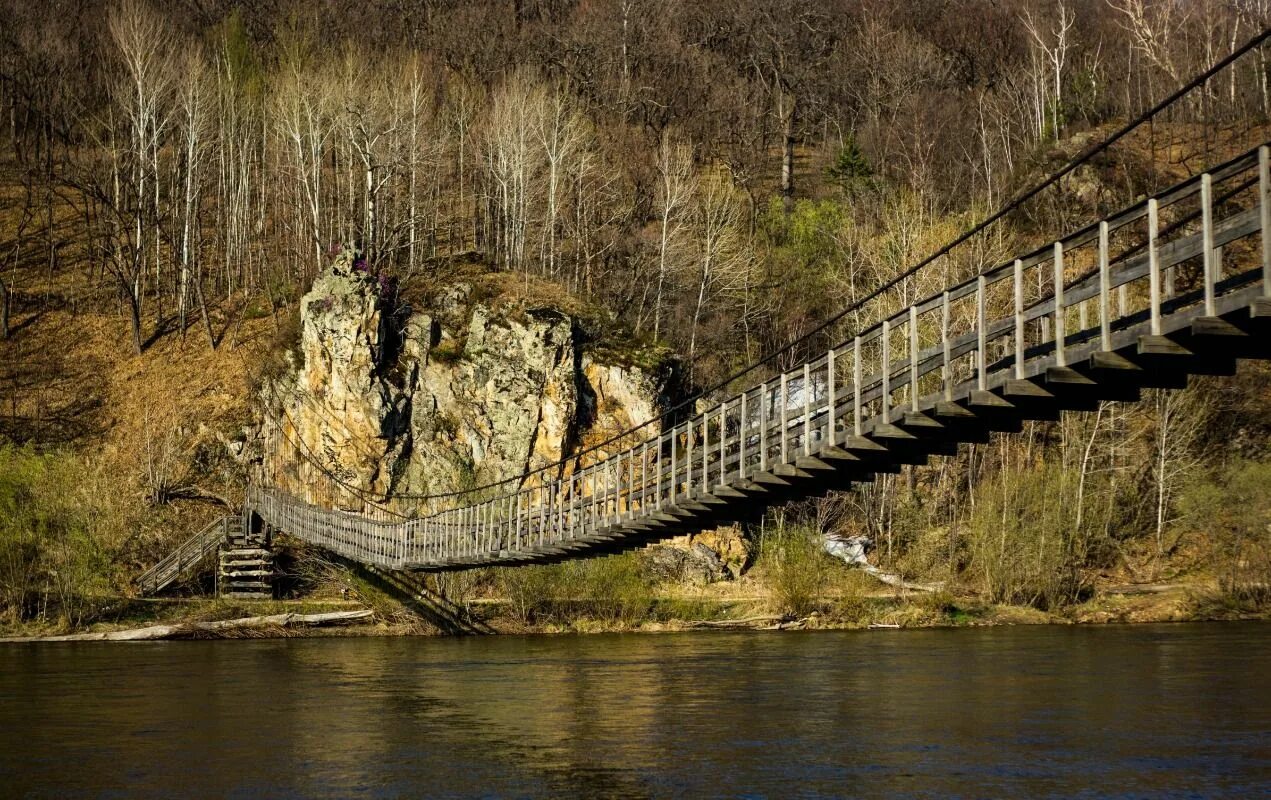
[{"x": 205, "y": 618}]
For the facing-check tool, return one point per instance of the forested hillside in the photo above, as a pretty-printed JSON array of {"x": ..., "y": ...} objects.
[{"x": 722, "y": 177}]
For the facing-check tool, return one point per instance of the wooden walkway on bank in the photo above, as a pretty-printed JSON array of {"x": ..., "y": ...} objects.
[{"x": 1177, "y": 285}]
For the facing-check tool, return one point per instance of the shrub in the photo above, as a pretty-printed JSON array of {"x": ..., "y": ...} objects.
[
  {"x": 852, "y": 587},
  {"x": 608, "y": 589},
  {"x": 1233, "y": 510},
  {"x": 797, "y": 567},
  {"x": 1025, "y": 546},
  {"x": 282, "y": 354},
  {"x": 58, "y": 537},
  {"x": 534, "y": 591},
  {"x": 460, "y": 587},
  {"x": 256, "y": 308},
  {"x": 850, "y": 169},
  {"x": 616, "y": 589},
  {"x": 447, "y": 351}
]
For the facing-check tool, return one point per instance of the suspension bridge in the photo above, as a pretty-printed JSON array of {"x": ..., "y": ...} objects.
[{"x": 1173, "y": 286}]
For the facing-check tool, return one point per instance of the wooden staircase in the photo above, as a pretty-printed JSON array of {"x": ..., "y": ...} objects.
[
  {"x": 246, "y": 569},
  {"x": 244, "y": 562}
]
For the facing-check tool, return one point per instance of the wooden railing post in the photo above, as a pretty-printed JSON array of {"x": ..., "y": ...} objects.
[
  {"x": 644, "y": 479},
  {"x": 723, "y": 451},
  {"x": 785, "y": 417},
  {"x": 856, "y": 385},
  {"x": 1153, "y": 267},
  {"x": 706, "y": 451},
  {"x": 1264, "y": 215},
  {"x": 657, "y": 473},
  {"x": 1019, "y": 319},
  {"x": 1060, "y": 360},
  {"x": 546, "y": 490},
  {"x": 674, "y": 489},
  {"x": 946, "y": 362},
  {"x": 614, "y": 506},
  {"x": 593, "y": 508},
  {"x": 763, "y": 426},
  {"x": 631, "y": 484},
  {"x": 886, "y": 370},
  {"x": 913, "y": 358},
  {"x": 807, "y": 408},
  {"x": 981, "y": 333},
  {"x": 1105, "y": 289},
  {"x": 1207, "y": 242},
  {"x": 831, "y": 399}
]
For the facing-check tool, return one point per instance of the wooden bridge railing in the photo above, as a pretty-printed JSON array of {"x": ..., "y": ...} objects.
[{"x": 1151, "y": 268}]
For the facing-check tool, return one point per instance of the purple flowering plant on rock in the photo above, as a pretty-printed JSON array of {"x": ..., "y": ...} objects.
[{"x": 386, "y": 282}]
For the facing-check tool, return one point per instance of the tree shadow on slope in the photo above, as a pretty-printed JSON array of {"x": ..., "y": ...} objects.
[
  {"x": 49, "y": 395},
  {"x": 410, "y": 590}
]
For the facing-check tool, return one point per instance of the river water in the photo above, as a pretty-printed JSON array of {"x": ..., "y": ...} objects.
[{"x": 1133, "y": 711}]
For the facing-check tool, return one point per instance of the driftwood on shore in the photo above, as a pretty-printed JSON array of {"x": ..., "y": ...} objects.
[
  {"x": 899, "y": 582},
  {"x": 748, "y": 622},
  {"x": 762, "y": 623},
  {"x": 194, "y": 630}
]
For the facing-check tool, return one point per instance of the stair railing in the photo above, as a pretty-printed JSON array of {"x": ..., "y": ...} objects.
[{"x": 190, "y": 553}]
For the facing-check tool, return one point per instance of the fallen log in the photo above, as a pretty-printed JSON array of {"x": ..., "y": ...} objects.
[
  {"x": 184, "y": 630},
  {"x": 748, "y": 622},
  {"x": 899, "y": 582},
  {"x": 854, "y": 551}
]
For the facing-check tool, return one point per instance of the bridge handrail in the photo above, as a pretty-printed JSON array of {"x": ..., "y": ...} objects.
[{"x": 190, "y": 552}]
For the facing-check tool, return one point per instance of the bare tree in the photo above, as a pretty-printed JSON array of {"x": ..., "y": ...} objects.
[
  {"x": 1054, "y": 42},
  {"x": 142, "y": 40},
  {"x": 561, "y": 135},
  {"x": 513, "y": 163},
  {"x": 192, "y": 124},
  {"x": 676, "y": 186},
  {"x": 462, "y": 106},
  {"x": 303, "y": 112},
  {"x": 721, "y": 257},
  {"x": 1175, "y": 423},
  {"x": 1152, "y": 27},
  {"x": 237, "y": 139},
  {"x": 422, "y": 150}
]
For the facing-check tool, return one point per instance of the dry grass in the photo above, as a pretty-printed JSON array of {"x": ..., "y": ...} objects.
[
  {"x": 501, "y": 291},
  {"x": 73, "y": 380}
]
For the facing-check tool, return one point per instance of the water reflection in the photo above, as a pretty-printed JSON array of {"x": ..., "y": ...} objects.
[{"x": 1160, "y": 711}]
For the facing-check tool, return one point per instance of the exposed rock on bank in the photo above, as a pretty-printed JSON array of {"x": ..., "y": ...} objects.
[{"x": 471, "y": 384}]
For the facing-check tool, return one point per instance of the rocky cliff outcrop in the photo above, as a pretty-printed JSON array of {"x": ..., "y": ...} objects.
[{"x": 469, "y": 387}]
